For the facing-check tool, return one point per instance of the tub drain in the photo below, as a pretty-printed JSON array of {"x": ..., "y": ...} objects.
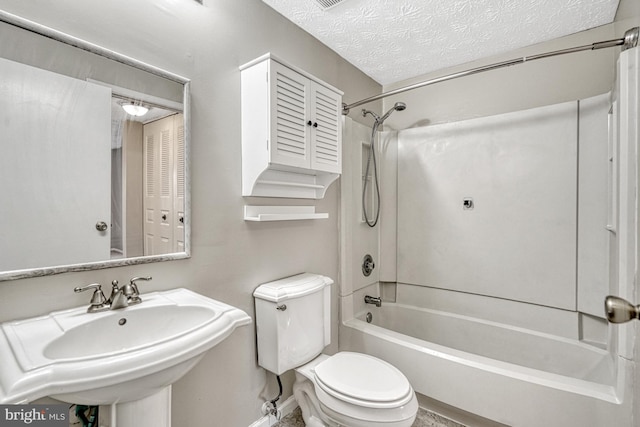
[{"x": 369, "y": 317}]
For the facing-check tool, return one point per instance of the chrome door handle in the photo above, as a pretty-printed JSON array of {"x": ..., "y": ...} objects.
[
  {"x": 101, "y": 226},
  {"x": 619, "y": 310}
]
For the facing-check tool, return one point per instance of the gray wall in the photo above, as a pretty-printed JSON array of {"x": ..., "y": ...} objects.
[{"x": 230, "y": 257}]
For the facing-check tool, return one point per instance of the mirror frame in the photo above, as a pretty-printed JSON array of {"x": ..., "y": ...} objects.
[{"x": 61, "y": 37}]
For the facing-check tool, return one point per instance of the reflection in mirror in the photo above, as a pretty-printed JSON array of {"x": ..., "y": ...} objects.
[
  {"x": 94, "y": 166},
  {"x": 147, "y": 176}
]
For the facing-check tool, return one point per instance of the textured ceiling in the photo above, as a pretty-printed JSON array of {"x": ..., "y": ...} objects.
[{"x": 392, "y": 40}]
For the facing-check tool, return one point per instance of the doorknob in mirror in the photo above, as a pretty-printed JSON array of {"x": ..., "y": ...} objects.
[{"x": 619, "y": 310}]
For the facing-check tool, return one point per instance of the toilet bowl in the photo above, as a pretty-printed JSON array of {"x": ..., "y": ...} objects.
[
  {"x": 354, "y": 390},
  {"x": 293, "y": 326}
]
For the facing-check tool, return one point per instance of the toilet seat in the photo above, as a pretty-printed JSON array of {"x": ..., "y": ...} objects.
[
  {"x": 363, "y": 380},
  {"x": 356, "y": 390}
]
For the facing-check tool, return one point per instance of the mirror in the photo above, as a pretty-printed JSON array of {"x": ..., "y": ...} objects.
[{"x": 94, "y": 169}]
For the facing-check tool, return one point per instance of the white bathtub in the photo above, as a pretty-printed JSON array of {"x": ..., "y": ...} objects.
[{"x": 511, "y": 375}]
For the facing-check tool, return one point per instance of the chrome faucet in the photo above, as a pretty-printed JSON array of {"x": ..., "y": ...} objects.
[
  {"x": 120, "y": 297},
  {"x": 373, "y": 300},
  {"x": 125, "y": 295}
]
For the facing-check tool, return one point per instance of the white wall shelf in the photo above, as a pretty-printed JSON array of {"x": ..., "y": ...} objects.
[{"x": 281, "y": 213}]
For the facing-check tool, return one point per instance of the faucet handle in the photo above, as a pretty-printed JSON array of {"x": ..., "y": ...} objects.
[
  {"x": 135, "y": 279},
  {"x": 134, "y": 285},
  {"x": 131, "y": 289},
  {"x": 98, "y": 301},
  {"x": 97, "y": 286}
]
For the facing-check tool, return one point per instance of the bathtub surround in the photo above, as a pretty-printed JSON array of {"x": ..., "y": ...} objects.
[
  {"x": 443, "y": 246},
  {"x": 543, "y": 169},
  {"x": 520, "y": 169}
]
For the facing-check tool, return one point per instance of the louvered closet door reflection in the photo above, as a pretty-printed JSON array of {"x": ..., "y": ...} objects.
[
  {"x": 158, "y": 187},
  {"x": 289, "y": 135},
  {"x": 326, "y": 134},
  {"x": 179, "y": 185}
]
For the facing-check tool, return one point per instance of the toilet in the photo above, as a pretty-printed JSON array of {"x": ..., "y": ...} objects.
[{"x": 293, "y": 322}]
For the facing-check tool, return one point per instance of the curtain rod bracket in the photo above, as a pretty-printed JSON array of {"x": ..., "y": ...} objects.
[{"x": 631, "y": 38}]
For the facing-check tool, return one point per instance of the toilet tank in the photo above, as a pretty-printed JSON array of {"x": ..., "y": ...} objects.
[{"x": 293, "y": 320}]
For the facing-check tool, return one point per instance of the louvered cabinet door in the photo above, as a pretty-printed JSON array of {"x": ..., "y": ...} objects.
[
  {"x": 326, "y": 135},
  {"x": 289, "y": 133}
]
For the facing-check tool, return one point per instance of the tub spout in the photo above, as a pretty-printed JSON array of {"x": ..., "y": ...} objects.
[{"x": 373, "y": 300}]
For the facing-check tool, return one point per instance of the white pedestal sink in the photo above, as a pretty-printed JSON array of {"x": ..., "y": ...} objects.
[{"x": 125, "y": 357}]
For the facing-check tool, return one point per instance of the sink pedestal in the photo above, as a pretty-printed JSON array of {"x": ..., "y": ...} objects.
[{"x": 151, "y": 411}]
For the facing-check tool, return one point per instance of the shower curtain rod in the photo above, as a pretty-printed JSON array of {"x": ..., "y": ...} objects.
[{"x": 629, "y": 41}]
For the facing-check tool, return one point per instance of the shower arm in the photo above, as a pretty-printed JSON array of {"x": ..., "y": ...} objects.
[{"x": 629, "y": 41}]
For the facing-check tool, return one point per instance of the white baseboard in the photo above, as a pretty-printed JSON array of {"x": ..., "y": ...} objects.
[{"x": 285, "y": 408}]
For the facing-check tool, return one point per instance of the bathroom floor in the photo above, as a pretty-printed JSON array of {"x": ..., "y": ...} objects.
[{"x": 424, "y": 419}]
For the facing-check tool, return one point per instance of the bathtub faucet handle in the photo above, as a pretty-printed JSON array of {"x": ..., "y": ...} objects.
[
  {"x": 377, "y": 301},
  {"x": 367, "y": 265}
]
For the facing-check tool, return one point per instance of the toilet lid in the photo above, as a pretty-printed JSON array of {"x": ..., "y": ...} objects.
[{"x": 363, "y": 380}]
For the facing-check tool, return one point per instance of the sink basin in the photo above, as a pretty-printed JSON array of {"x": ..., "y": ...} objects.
[
  {"x": 113, "y": 356},
  {"x": 146, "y": 326}
]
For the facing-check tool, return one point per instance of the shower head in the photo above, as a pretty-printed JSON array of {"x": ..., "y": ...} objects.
[{"x": 398, "y": 106}]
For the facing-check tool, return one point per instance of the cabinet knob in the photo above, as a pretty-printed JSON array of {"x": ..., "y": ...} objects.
[
  {"x": 164, "y": 217},
  {"x": 315, "y": 125},
  {"x": 309, "y": 123}
]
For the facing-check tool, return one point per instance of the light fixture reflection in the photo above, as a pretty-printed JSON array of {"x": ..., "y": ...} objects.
[{"x": 134, "y": 110}]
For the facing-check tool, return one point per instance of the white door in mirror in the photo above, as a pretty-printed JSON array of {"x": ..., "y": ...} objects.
[{"x": 49, "y": 146}]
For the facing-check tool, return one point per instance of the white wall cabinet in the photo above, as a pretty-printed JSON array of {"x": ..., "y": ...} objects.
[{"x": 291, "y": 131}]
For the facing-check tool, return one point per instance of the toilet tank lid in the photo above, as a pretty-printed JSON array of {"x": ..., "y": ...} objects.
[{"x": 292, "y": 287}]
